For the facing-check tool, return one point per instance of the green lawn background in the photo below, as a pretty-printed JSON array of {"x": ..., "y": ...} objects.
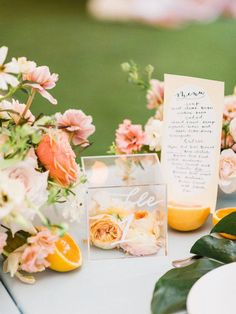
[{"x": 87, "y": 55}]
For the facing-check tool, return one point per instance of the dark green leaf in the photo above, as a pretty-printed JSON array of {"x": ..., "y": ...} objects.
[
  {"x": 222, "y": 250},
  {"x": 171, "y": 290},
  {"x": 226, "y": 225},
  {"x": 18, "y": 240}
]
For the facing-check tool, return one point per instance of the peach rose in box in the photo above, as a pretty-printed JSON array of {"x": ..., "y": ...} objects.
[
  {"x": 129, "y": 137},
  {"x": 228, "y": 171},
  {"x": 143, "y": 235},
  {"x": 104, "y": 231},
  {"x": 55, "y": 153}
]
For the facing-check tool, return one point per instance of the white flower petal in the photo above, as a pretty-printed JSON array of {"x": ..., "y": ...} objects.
[
  {"x": 3, "y": 54},
  {"x": 3, "y": 84},
  {"x": 11, "y": 67},
  {"x": 10, "y": 79}
]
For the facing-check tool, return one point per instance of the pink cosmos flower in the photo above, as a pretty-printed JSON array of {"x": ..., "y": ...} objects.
[
  {"x": 55, "y": 153},
  {"x": 228, "y": 171},
  {"x": 33, "y": 259},
  {"x": 3, "y": 238},
  {"x": 77, "y": 123},
  {"x": 155, "y": 95},
  {"x": 229, "y": 107},
  {"x": 41, "y": 79},
  {"x": 45, "y": 240},
  {"x": 17, "y": 107},
  {"x": 129, "y": 137}
]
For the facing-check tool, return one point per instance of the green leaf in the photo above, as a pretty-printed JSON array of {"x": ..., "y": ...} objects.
[
  {"x": 13, "y": 242},
  {"x": 226, "y": 225},
  {"x": 222, "y": 250},
  {"x": 171, "y": 290}
]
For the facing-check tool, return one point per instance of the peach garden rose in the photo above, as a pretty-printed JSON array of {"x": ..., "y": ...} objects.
[
  {"x": 105, "y": 232},
  {"x": 55, "y": 153}
]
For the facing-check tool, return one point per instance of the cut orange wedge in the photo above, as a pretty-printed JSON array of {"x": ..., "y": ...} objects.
[
  {"x": 67, "y": 255},
  {"x": 187, "y": 218},
  {"x": 221, "y": 213}
]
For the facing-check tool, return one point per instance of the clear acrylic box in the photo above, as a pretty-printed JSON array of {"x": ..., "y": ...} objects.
[{"x": 126, "y": 206}]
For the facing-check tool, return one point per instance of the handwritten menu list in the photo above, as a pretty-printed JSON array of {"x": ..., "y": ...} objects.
[{"x": 191, "y": 143}]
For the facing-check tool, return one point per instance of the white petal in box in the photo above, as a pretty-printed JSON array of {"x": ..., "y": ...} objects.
[{"x": 126, "y": 206}]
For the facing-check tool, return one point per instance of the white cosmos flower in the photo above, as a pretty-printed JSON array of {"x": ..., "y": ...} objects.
[
  {"x": 12, "y": 195},
  {"x": 6, "y": 71},
  {"x": 25, "y": 66},
  {"x": 153, "y": 134}
]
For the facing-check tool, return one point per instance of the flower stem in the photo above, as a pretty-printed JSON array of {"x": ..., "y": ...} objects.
[
  {"x": 43, "y": 219},
  {"x": 10, "y": 93},
  {"x": 29, "y": 102}
]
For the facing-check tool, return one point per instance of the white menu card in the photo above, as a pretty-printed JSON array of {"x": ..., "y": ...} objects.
[{"x": 193, "y": 110}]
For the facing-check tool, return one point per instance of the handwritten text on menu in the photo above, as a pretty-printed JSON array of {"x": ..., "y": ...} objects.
[{"x": 191, "y": 137}]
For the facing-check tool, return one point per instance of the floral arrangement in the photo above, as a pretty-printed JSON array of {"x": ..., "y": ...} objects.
[
  {"x": 133, "y": 138},
  {"x": 38, "y": 168},
  {"x": 121, "y": 225}
]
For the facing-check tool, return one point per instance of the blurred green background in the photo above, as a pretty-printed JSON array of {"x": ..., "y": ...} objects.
[{"x": 87, "y": 55}]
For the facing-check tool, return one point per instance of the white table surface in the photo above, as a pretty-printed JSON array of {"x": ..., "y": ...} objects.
[
  {"x": 122, "y": 286},
  {"x": 7, "y": 306}
]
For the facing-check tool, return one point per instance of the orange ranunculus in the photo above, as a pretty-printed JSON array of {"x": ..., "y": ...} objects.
[{"x": 55, "y": 153}]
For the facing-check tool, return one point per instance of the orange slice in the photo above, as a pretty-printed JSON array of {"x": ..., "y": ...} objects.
[
  {"x": 67, "y": 255},
  {"x": 187, "y": 218},
  {"x": 221, "y": 213}
]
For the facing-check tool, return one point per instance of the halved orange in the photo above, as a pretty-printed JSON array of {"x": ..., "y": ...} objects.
[
  {"x": 187, "y": 218},
  {"x": 221, "y": 213},
  {"x": 67, "y": 255}
]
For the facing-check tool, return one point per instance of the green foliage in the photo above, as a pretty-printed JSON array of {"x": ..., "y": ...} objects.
[
  {"x": 172, "y": 288},
  {"x": 137, "y": 77},
  {"x": 222, "y": 250},
  {"x": 20, "y": 138},
  {"x": 226, "y": 225}
]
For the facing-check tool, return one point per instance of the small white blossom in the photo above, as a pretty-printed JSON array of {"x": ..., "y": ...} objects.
[
  {"x": 74, "y": 206},
  {"x": 153, "y": 134},
  {"x": 6, "y": 71}
]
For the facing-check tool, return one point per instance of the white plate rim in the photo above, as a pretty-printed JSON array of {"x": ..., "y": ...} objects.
[{"x": 203, "y": 278}]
